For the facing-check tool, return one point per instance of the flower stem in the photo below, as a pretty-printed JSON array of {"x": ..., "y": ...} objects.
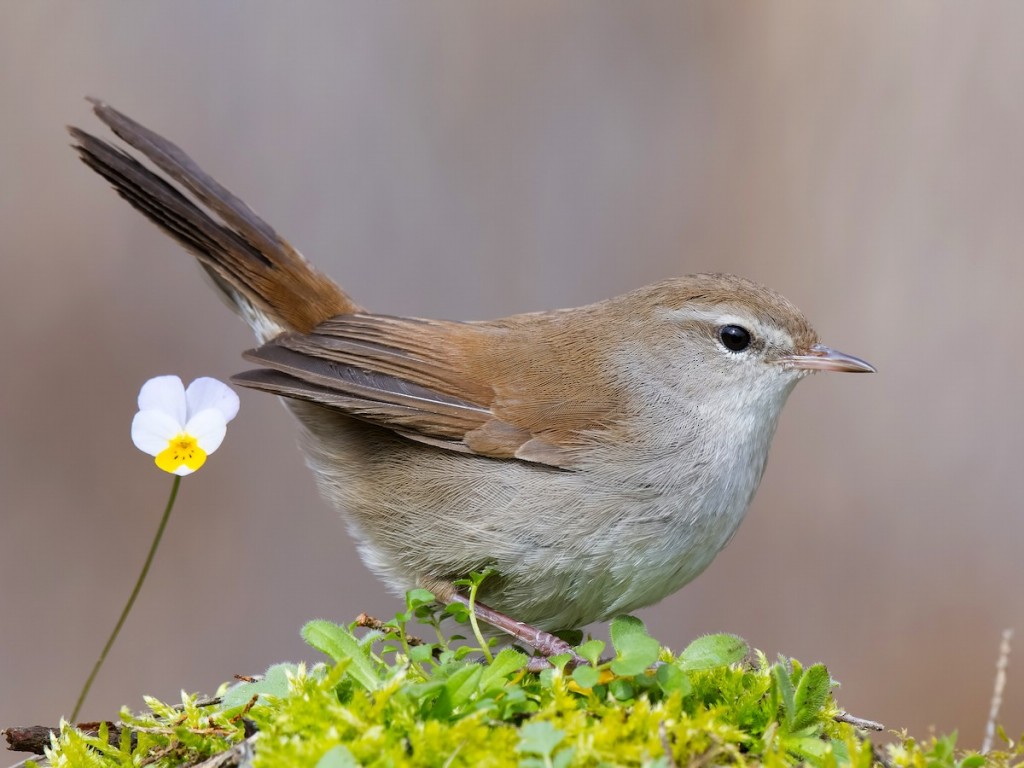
[
  {"x": 131, "y": 600},
  {"x": 473, "y": 621}
]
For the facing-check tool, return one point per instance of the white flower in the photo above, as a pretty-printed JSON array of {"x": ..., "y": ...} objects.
[{"x": 179, "y": 426}]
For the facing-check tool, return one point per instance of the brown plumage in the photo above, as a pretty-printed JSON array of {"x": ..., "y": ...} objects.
[{"x": 244, "y": 251}]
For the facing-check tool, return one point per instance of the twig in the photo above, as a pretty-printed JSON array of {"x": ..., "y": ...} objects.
[
  {"x": 238, "y": 756},
  {"x": 209, "y": 701},
  {"x": 710, "y": 754},
  {"x": 666, "y": 745},
  {"x": 21, "y": 763},
  {"x": 879, "y": 757},
  {"x": 365, "y": 620},
  {"x": 997, "y": 691},
  {"x": 35, "y": 738},
  {"x": 858, "y": 722}
]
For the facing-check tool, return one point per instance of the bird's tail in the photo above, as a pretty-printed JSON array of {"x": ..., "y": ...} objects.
[{"x": 267, "y": 281}]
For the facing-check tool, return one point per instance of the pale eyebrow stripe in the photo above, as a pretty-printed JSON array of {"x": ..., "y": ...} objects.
[{"x": 773, "y": 335}]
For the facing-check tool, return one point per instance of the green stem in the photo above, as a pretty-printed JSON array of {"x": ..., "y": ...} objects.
[
  {"x": 131, "y": 600},
  {"x": 474, "y": 623}
]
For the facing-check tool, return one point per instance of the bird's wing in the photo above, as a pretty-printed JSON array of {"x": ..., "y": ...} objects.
[{"x": 457, "y": 386}]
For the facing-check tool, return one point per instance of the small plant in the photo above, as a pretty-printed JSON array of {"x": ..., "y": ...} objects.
[
  {"x": 179, "y": 427},
  {"x": 387, "y": 698}
]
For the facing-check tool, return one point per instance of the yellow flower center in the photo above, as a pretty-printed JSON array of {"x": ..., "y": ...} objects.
[{"x": 181, "y": 451}]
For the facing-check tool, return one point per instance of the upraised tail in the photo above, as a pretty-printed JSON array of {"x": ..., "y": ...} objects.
[{"x": 267, "y": 281}]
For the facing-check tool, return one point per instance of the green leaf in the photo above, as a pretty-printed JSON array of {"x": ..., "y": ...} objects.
[
  {"x": 414, "y": 598},
  {"x": 539, "y": 738},
  {"x": 421, "y": 653},
  {"x": 505, "y": 664},
  {"x": 559, "y": 661},
  {"x": 546, "y": 678},
  {"x": 811, "y": 695},
  {"x": 338, "y": 757},
  {"x": 457, "y": 611},
  {"x": 372, "y": 636},
  {"x": 476, "y": 578},
  {"x": 422, "y": 693},
  {"x": 672, "y": 679},
  {"x": 591, "y": 651},
  {"x": 944, "y": 748},
  {"x": 841, "y": 752},
  {"x": 340, "y": 644},
  {"x": 810, "y": 748},
  {"x": 274, "y": 683},
  {"x": 463, "y": 684},
  {"x": 787, "y": 694},
  {"x": 586, "y": 676},
  {"x": 455, "y": 692},
  {"x": 635, "y": 649},
  {"x": 621, "y": 689},
  {"x": 712, "y": 651}
]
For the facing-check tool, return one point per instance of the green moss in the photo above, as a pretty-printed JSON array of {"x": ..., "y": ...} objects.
[{"x": 383, "y": 701}]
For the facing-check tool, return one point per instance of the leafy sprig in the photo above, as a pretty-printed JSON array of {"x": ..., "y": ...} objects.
[{"x": 385, "y": 697}]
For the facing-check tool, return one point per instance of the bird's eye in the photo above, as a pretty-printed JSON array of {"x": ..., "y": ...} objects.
[{"x": 734, "y": 337}]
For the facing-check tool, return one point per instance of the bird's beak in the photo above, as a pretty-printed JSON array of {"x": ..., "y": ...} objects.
[{"x": 822, "y": 358}]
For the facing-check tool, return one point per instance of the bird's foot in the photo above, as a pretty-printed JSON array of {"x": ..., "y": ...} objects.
[{"x": 544, "y": 643}]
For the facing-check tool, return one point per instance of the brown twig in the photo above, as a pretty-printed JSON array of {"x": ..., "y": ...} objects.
[
  {"x": 997, "y": 690},
  {"x": 24, "y": 761},
  {"x": 369, "y": 622},
  {"x": 858, "y": 722},
  {"x": 666, "y": 745},
  {"x": 238, "y": 755},
  {"x": 709, "y": 754},
  {"x": 35, "y": 738},
  {"x": 879, "y": 756}
]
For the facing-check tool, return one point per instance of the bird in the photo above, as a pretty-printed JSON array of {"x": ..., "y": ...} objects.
[{"x": 593, "y": 460}]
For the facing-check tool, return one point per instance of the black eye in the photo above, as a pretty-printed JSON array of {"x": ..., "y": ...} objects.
[{"x": 734, "y": 337}]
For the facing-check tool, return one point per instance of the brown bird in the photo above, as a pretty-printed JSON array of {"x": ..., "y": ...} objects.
[{"x": 596, "y": 458}]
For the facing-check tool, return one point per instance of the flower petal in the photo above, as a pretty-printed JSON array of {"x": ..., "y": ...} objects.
[
  {"x": 206, "y": 392},
  {"x": 152, "y": 430},
  {"x": 182, "y": 456},
  {"x": 208, "y": 427},
  {"x": 164, "y": 393}
]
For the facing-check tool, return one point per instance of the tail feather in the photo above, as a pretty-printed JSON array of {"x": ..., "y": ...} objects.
[{"x": 269, "y": 282}]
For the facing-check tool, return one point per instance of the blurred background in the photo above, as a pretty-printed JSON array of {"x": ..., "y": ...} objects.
[{"x": 472, "y": 160}]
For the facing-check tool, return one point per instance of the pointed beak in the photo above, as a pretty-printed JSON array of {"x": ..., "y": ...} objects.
[{"x": 822, "y": 358}]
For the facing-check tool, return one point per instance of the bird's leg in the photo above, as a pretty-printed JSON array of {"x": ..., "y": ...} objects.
[{"x": 545, "y": 643}]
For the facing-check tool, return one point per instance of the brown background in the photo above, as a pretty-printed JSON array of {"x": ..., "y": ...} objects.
[{"x": 466, "y": 161}]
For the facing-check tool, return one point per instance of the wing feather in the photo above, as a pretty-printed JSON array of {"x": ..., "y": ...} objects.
[{"x": 416, "y": 377}]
